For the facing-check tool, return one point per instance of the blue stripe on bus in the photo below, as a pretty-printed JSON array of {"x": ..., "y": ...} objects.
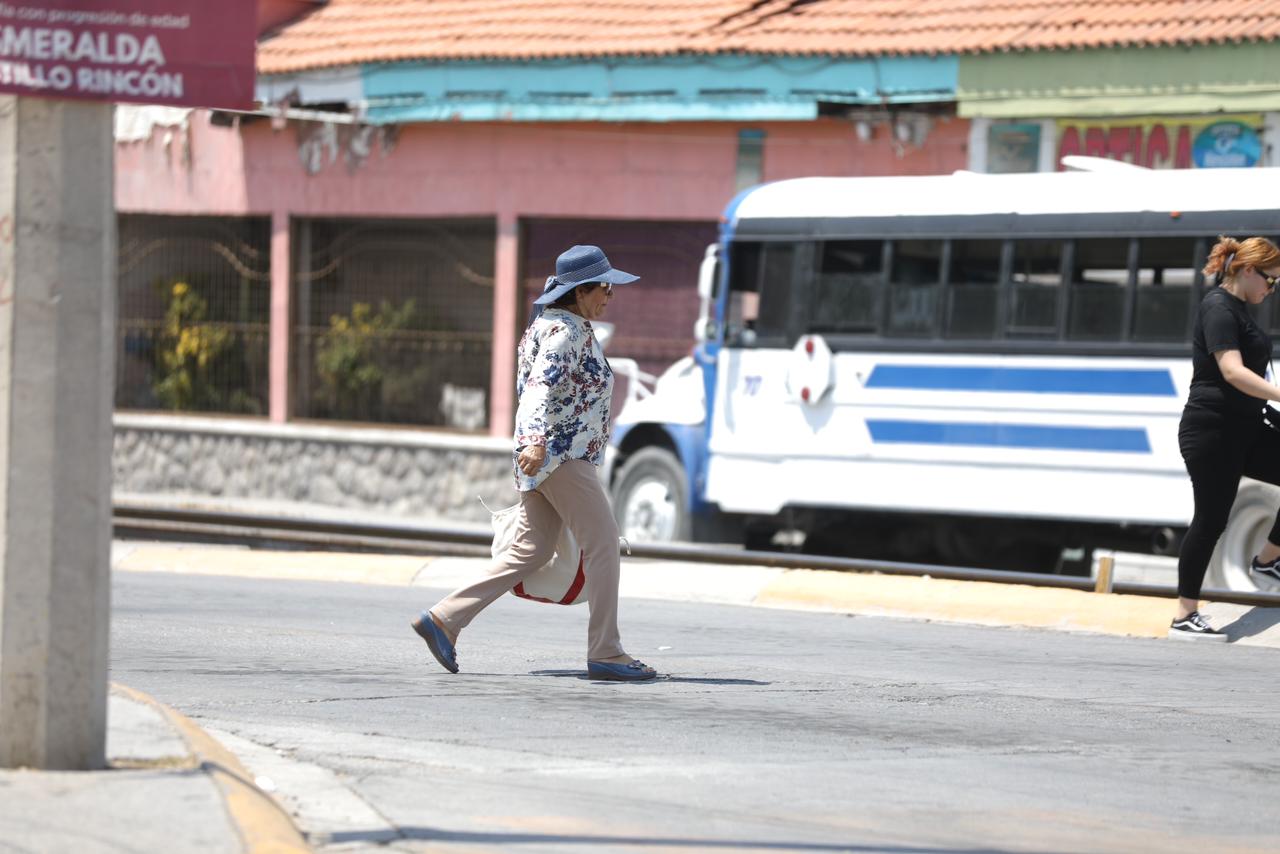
[
  {"x": 1136, "y": 381},
  {"x": 1111, "y": 439}
]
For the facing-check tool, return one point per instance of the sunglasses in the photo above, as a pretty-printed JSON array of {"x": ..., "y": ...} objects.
[
  {"x": 1271, "y": 281},
  {"x": 608, "y": 288}
]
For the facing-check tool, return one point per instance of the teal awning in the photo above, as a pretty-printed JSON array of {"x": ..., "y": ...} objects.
[
  {"x": 596, "y": 109},
  {"x": 660, "y": 89}
]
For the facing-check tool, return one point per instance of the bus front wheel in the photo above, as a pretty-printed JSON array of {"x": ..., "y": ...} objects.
[
  {"x": 651, "y": 498},
  {"x": 1251, "y": 518}
]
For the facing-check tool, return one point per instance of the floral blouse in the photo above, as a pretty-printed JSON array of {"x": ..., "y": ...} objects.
[{"x": 564, "y": 386}]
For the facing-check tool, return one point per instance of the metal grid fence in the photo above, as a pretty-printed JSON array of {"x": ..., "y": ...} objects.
[
  {"x": 194, "y": 306},
  {"x": 394, "y": 321}
]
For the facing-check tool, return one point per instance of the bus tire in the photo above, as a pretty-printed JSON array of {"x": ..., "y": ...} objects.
[
  {"x": 1250, "y": 521},
  {"x": 651, "y": 498}
]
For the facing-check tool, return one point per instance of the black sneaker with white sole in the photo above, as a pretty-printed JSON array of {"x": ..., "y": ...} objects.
[
  {"x": 1266, "y": 570},
  {"x": 1194, "y": 627}
]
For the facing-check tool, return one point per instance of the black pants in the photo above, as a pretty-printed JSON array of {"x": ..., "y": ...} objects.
[{"x": 1218, "y": 450}]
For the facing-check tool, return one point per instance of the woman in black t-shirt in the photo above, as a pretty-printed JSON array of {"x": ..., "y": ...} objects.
[{"x": 1222, "y": 435}]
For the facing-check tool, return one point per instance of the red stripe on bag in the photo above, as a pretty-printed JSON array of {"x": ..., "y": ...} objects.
[
  {"x": 519, "y": 591},
  {"x": 575, "y": 588},
  {"x": 579, "y": 580}
]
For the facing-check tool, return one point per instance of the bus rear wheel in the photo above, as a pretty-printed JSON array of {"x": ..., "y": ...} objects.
[
  {"x": 651, "y": 498},
  {"x": 1250, "y": 521}
]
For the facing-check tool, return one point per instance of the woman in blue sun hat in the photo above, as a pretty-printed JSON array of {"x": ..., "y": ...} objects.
[{"x": 564, "y": 386}]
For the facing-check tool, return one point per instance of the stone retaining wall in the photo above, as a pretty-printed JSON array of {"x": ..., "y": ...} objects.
[{"x": 430, "y": 477}]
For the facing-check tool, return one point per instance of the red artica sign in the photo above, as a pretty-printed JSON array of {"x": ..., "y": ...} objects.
[
  {"x": 194, "y": 53},
  {"x": 1163, "y": 143}
]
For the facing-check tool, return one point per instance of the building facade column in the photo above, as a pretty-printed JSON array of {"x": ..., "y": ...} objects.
[
  {"x": 506, "y": 319},
  {"x": 281, "y": 319},
  {"x": 57, "y": 383}
]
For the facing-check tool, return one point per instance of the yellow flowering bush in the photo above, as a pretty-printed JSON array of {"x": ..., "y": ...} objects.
[{"x": 190, "y": 356}]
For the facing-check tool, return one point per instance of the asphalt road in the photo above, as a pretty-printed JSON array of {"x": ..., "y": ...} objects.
[{"x": 774, "y": 731}]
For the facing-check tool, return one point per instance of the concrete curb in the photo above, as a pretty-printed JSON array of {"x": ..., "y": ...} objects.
[
  {"x": 863, "y": 594},
  {"x": 396, "y": 570},
  {"x": 263, "y": 825},
  {"x": 974, "y": 602}
]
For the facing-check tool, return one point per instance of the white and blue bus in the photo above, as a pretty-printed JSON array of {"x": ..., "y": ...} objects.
[{"x": 980, "y": 369}]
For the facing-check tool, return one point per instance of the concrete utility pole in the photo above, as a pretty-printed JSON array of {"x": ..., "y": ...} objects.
[{"x": 57, "y": 357}]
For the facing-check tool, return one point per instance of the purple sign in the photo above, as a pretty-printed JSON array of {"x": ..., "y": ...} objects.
[{"x": 192, "y": 53}]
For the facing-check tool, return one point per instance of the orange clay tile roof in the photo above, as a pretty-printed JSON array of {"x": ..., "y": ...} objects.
[{"x": 345, "y": 32}]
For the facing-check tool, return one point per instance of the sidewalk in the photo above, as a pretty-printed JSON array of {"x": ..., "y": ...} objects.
[
  {"x": 866, "y": 594},
  {"x": 169, "y": 787}
]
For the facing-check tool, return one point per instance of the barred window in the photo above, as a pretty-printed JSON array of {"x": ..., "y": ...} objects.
[
  {"x": 194, "y": 313},
  {"x": 973, "y": 288},
  {"x": 1167, "y": 278},
  {"x": 1099, "y": 284},
  {"x": 914, "y": 284},
  {"x": 394, "y": 321},
  {"x": 1035, "y": 283},
  {"x": 848, "y": 287}
]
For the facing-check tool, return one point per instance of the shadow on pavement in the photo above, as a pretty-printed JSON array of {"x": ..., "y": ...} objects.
[
  {"x": 1255, "y": 621},
  {"x": 428, "y": 834},
  {"x": 582, "y": 674}
]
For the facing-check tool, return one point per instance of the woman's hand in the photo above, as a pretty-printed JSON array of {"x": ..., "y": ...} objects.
[{"x": 531, "y": 459}]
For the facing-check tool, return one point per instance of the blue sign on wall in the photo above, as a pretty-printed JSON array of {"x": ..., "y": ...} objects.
[{"x": 1227, "y": 144}]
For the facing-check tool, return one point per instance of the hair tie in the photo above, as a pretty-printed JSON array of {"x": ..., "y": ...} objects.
[{"x": 1226, "y": 267}]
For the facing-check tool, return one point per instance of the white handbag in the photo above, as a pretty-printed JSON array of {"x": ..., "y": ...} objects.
[{"x": 561, "y": 581}]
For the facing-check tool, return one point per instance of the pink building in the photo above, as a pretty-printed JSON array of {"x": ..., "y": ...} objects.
[{"x": 366, "y": 248}]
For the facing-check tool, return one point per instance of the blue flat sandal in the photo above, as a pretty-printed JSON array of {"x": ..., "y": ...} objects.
[
  {"x": 635, "y": 671},
  {"x": 437, "y": 641}
]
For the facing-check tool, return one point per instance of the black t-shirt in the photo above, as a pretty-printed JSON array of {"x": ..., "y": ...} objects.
[{"x": 1223, "y": 323}]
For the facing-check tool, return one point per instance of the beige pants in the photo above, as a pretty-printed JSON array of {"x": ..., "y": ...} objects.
[{"x": 572, "y": 494}]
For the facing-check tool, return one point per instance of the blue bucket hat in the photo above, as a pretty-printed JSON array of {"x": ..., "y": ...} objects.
[{"x": 577, "y": 266}]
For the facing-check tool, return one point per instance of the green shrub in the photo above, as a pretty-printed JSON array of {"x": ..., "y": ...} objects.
[{"x": 352, "y": 363}]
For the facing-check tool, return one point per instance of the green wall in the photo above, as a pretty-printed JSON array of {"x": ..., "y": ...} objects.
[{"x": 1125, "y": 81}]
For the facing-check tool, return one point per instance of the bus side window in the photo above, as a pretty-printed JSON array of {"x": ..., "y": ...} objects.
[
  {"x": 1167, "y": 277},
  {"x": 915, "y": 280},
  {"x": 742, "y": 311},
  {"x": 1035, "y": 282},
  {"x": 973, "y": 289},
  {"x": 848, "y": 287},
  {"x": 760, "y": 287},
  {"x": 1099, "y": 284},
  {"x": 775, "y": 315}
]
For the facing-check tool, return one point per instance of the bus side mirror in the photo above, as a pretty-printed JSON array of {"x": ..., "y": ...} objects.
[
  {"x": 707, "y": 273},
  {"x": 704, "y": 327}
]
